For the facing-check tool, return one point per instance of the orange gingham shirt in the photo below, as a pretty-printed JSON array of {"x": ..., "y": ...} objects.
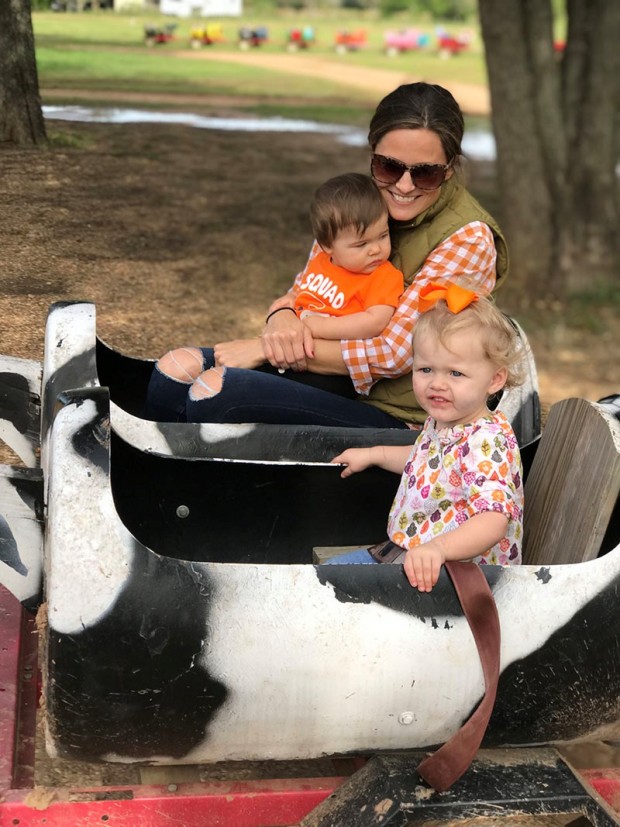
[{"x": 466, "y": 257}]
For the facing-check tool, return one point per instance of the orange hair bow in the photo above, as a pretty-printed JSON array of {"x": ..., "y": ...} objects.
[{"x": 457, "y": 298}]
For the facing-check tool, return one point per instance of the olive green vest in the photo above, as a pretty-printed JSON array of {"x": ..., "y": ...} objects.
[{"x": 454, "y": 208}]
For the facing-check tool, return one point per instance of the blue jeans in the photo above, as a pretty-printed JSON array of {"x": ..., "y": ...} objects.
[
  {"x": 360, "y": 556},
  {"x": 264, "y": 395}
]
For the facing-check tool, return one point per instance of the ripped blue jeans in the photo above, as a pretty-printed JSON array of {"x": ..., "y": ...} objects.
[{"x": 263, "y": 395}]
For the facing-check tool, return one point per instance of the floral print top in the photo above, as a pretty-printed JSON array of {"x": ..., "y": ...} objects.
[{"x": 455, "y": 473}]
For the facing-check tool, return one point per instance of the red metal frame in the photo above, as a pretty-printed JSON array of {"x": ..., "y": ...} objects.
[
  {"x": 241, "y": 804},
  {"x": 606, "y": 782},
  {"x": 259, "y": 803}
]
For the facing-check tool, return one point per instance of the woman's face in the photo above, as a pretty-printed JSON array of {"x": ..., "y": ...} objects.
[{"x": 411, "y": 146}]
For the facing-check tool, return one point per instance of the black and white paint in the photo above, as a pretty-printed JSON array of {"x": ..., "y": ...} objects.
[{"x": 257, "y": 661}]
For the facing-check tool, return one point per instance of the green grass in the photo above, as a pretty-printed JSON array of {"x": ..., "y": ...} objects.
[
  {"x": 62, "y": 139},
  {"x": 146, "y": 71},
  {"x": 106, "y": 51},
  {"x": 592, "y": 309}
]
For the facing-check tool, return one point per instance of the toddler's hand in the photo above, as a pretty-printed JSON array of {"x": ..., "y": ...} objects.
[
  {"x": 355, "y": 460},
  {"x": 422, "y": 565}
]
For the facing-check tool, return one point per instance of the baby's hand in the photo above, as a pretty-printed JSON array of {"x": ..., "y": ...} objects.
[
  {"x": 422, "y": 565},
  {"x": 308, "y": 314},
  {"x": 355, "y": 460},
  {"x": 310, "y": 323},
  {"x": 314, "y": 322},
  {"x": 284, "y": 301}
]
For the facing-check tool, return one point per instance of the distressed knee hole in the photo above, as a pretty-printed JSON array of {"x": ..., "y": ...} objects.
[
  {"x": 184, "y": 364},
  {"x": 208, "y": 384}
]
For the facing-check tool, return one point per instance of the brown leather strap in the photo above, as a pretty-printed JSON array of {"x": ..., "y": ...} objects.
[
  {"x": 387, "y": 552},
  {"x": 451, "y": 760}
]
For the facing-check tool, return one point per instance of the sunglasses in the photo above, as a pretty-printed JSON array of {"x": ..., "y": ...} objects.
[{"x": 424, "y": 176}]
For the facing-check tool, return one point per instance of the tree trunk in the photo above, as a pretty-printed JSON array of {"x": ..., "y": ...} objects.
[
  {"x": 592, "y": 98},
  {"x": 21, "y": 118},
  {"x": 554, "y": 118}
]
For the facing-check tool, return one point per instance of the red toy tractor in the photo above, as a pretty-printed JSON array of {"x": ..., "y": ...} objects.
[{"x": 155, "y": 35}]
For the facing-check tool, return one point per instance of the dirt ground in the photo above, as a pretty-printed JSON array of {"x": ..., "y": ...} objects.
[{"x": 181, "y": 235}]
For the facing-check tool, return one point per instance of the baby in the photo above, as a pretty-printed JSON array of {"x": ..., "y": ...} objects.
[{"x": 348, "y": 290}]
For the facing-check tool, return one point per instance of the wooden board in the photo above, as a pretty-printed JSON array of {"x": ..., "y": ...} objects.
[{"x": 573, "y": 484}]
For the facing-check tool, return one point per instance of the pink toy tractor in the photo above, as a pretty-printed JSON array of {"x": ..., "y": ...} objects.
[{"x": 404, "y": 40}]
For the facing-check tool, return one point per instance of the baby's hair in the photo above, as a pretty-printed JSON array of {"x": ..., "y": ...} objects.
[
  {"x": 500, "y": 340},
  {"x": 350, "y": 200}
]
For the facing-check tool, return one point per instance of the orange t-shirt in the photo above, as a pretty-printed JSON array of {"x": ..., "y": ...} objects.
[{"x": 326, "y": 288}]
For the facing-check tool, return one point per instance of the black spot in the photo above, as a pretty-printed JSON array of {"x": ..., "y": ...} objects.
[
  {"x": 133, "y": 683},
  {"x": 543, "y": 574}
]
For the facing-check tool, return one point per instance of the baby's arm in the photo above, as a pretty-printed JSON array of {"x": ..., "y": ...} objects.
[
  {"x": 389, "y": 457},
  {"x": 479, "y": 533},
  {"x": 362, "y": 325},
  {"x": 287, "y": 300}
]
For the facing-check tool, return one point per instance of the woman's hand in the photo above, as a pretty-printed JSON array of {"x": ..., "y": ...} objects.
[
  {"x": 286, "y": 342},
  {"x": 240, "y": 353}
]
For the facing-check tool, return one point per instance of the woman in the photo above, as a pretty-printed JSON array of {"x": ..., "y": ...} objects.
[{"x": 439, "y": 233}]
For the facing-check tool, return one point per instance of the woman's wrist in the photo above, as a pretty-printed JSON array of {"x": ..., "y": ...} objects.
[{"x": 277, "y": 310}]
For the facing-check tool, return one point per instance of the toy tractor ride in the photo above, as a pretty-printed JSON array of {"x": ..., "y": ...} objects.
[
  {"x": 449, "y": 45},
  {"x": 186, "y": 618},
  {"x": 350, "y": 41},
  {"x": 207, "y": 35},
  {"x": 252, "y": 38},
  {"x": 156, "y": 35},
  {"x": 300, "y": 38},
  {"x": 404, "y": 40}
]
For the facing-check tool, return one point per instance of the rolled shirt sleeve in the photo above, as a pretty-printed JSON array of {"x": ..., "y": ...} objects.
[{"x": 468, "y": 258}]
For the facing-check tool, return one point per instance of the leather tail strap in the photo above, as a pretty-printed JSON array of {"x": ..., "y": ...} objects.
[{"x": 448, "y": 764}]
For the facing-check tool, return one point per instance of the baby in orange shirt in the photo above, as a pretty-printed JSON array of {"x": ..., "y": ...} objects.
[{"x": 349, "y": 289}]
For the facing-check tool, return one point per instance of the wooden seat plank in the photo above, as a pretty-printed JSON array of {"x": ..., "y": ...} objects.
[{"x": 573, "y": 484}]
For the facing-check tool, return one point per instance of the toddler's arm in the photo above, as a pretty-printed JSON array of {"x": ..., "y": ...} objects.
[
  {"x": 479, "y": 533},
  {"x": 389, "y": 457},
  {"x": 362, "y": 325}
]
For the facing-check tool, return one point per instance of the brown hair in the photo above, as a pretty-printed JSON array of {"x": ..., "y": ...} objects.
[
  {"x": 350, "y": 200},
  {"x": 420, "y": 106},
  {"x": 500, "y": 340}
]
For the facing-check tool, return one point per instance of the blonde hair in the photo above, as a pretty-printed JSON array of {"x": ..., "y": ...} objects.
[{"x": 500, "y": 339}]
